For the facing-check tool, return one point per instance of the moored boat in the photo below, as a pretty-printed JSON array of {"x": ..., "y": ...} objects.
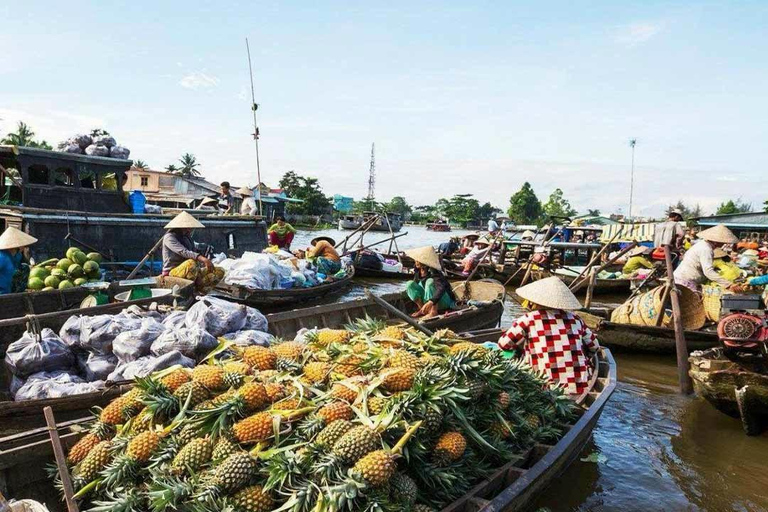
[
  {"x": 738, "y": 389},
  {"x": 442, "y": 227},
  {"x": 616, "y": 285}
]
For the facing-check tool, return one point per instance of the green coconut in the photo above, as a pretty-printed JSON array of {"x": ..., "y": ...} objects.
[
  {"x": 59, "y": 272},
  {"x": 35, "y": 283},
  {"x": 64, "y": 264},
  {"x": 48, "y": 289},
  {"x": 52, "y": 282},
  {"x": 80, "y": 281},
  {"x": 74, "y": 271},
  {"x": 66, "y": 284},
  {"x": 80, "y": 257},
  {"x": 91, "y": 267},
  {"x": 40, "y": 272},
  {"x": 94, "y": 256},
  {"x": 71, "y": 252}
]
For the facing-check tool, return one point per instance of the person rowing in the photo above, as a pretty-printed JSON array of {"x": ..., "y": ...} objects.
[{"x": 429, "y": 289}]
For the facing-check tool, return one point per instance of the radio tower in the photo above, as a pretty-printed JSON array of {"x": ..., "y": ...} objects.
[{"x": 372, "y": 176}]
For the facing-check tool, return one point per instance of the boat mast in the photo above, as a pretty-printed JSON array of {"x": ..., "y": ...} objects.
[
  {"x": 254, "y": 108},
  {"x": 372, "y": 178}
]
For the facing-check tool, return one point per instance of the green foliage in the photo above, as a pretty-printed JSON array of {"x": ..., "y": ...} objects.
[
  {"x": 524, "y": 206},
  {"x": 732, "y": 206},
  {"x": 558, "y": 206},
  {"x": 141, "y": 164},
  {"x": 593, "y": 212},
  {"x": 398, "y": 204},
  {"x": 309, "y": 191},
  {"x": 172, "y": 169},
  {"x": 98, "y": 132},
  {"x": 189, "y": 165},
  {"x": 367, "y": 205},
  {"x": 688, "y": 211},
  {"x": 24, "y": 136},
  {"x": 460, "y": 209}
]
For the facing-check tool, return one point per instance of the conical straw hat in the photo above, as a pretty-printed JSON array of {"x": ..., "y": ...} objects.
[
  {"x": 184, "y": 221},
  {"x": 719, "y": 234},
  {"x": 426, "y": 256},
  {"x": 640, "y": 250},
  {"x": 244, "y": 191},
  {"x": 13, "y": 238},
  {"x": 209, "y": 200},
  {"x": 528, "y": 234},
  {"x": 550, "y": 293}
]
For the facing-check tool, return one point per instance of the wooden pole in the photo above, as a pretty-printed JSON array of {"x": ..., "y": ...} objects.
[
  {"x": 686, "y": 385},
  {"x": 596, "y": 257},
  {"x": 486, "y": 255},
  {"x": 373, "y": 244},
  {"x": 145, "y": 258},
  {"x": 664, "y": 301},
  {"x": 590, "y": 288},
  {"x": 392, "y": 234},
  {"x": 61, "y": 460},
  {"x": 396, "y": 312},
  {"x": 344, "y": 241},
  {"x": 578, "y": 286}
]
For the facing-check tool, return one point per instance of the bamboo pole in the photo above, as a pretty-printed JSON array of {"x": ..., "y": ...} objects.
[
  {"x": 346, "y": 238},
  {"x": 686, "y": 385},
  {"x": 596, "y": 257},
  {"x": 396, "y": 312},
  {"x": 145, "y": 258},
  {"x": 590, "y": 288},
  {"x": 664, "y": 300},
  {"x": 486, "y": 255},
  {"x": 61, "y": 460},
  {"x": 392, "y": 239},
  {"x": 578, "y": 286},
  {"x": 367, "y": 246}
]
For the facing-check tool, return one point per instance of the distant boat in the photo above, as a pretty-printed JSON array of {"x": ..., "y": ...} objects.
[
  {"x": 382, "y": 223},
  {"x": 438, "y": 226}
]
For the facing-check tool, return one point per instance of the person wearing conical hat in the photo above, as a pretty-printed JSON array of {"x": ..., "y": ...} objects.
[
  {"x": 551, "y": 337},
  {"x": 324, "y": 255},
  {"x": 248, "y": 206},
  {"x": 12, "y": 244},
  {"x": 670, "y": 233},
  {"x": 473, "y": 257},
  {"x": 697, "y": 267},
  {"x": 430, "y": 289},
  {"x": 639, "y": 257},
  {"x": 178, "y": 246},
  {"x": 208, "y": 203},
  {"x": 281, "y": 234}
]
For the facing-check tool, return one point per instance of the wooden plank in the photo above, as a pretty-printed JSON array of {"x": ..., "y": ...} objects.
[{"x": 61, "y": 461}]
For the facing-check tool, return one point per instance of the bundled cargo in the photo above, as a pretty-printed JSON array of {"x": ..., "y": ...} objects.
[
  {"x": 367, "y": 418},
  {"x": 103, "y": 145}
]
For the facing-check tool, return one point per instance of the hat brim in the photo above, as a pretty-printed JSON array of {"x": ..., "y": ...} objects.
[
  {"x": 326, "y": 238},
  {"x": 550, "y": 293},
  {"x": 426, "y": 256},
  {"x": 184, "y": 221},
  {"x": 13, "y": 238}
]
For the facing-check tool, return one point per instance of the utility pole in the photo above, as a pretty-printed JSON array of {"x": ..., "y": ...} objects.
[
  {"x": 372, "y": 177},
  {"x": 632, "y": 143},
  {"x": 254, "y": 108}
]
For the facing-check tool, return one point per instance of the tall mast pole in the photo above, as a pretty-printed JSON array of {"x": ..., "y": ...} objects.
[
  {"x": 254, "y": 108},
  {"x": 372, "y": 176},
  {"x": 632, "y": 143}
]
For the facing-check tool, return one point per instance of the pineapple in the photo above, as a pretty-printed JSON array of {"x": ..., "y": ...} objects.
[
  {"x": 212, "y": 377},
  {"x": 235, "y": 373},
  {"x": 252, "y": 499},
  {"x": 232, "y": 474},
  {"x": 332, "y": 432},
  {"x": 503, "y": 400},
  {"x": 175, "y": 379},
  {"x": 475, "y": 388},
  {"x": 193, "y": 456},
  {"x": 500, "y": 430},
  {"x": 533, "y": 421},
  {"x": 96, "y": 460},
  {"x": 254, "y": 395},
  {"x": 432, "y": 420},
  {"x": 376, "y": 467},
  {"x": 392, "y": 332},
  {"x": 275, "y": 391},
  {"x": 196, "y": 392},
  {"x": 450, "y": 447},
  {"x": 261, "y": 358},
  {"x": 267, "y": 375},
  {"x": 446, "y": 334},
  {"x": 141, "y": 447},
  {"x": 356, "y": 443},
  {"x": 113, "y": 413},
  {"x": 335, "y": 411},
  {"x": 291, "y": 350},
  {"x": 376, "y": 404},
  {"x": 253, "y": 429},
  {"x": 317, "y": 372},
  {"x": 325, "y": 337},
  {"x": 403, "y": 489},
  {"x": 286, "y": 404},
  {"x": 398, "y": 379},
  {"x": 82, "y": 448},
  {"x": 223, "y": 449},
  {"x": 472, "y": 349},
  {"x": 404, "y": 359},
  {"x": 343, "y": 391},
  {"x": 188, "y": 433}
]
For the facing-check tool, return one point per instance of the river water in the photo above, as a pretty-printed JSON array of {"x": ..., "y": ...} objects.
[{"x": 652, "y": 449}]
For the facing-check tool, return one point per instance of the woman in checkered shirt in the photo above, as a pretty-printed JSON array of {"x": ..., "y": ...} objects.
[{"x": 552, "y": 338}]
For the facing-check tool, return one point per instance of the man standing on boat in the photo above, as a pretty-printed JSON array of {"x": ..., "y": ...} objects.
[
  {"x": 493, "y": 226},
  {"x": 669, "y": 233},
  {"x": 226, "y": 199},
  {"x": 697, "y": 266},
  {"x": 12, "y": 244}
]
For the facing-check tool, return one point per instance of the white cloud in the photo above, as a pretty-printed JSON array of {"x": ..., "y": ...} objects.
[
  {"x": 198, "y": 80},
  {"x": 638, "y": 33}
]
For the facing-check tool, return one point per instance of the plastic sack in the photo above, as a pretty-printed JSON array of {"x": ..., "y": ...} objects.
[
  {"x": 250, "y": 337},
  {"x": 149, "y": 364},
  {"x": 131, "y": 345},
  {"x": 98, "y": 332},
  {"x": 217, "y": 316},
  {"x": 153, "y": 208},
  {"x": 193, "y": 342},
  {"x": 96, "y": 366},
  {"x": 71, "y": 148},
  {"x": 54, "y": 385},
  {"x": 255, "y": 271},
  {"x": 70, "y": 331},
  {"x": 175, "y": 319},
  {"x": 120, "y": 152},
  {"x": 105, "y": 140},
  {"x": 254, "y": 320},
  {"x": 27, "y": 355},
  {"x": 27, "y": 506},
  {"x": 83, "y": 140},
  {"x": 94, "y": 150}
]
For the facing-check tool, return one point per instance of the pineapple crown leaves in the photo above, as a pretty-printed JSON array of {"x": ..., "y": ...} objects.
[
  {"x": 470, "y": 430},
  {"x": 120, "y": 500},
  {"x": 223, "y": 346},
  {"x": 168, "y": 492},
  {"x": 304, "y": 496}
]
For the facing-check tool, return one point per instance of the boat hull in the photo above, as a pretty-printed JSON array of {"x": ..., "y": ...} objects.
[{"x": 650, "y": 340}]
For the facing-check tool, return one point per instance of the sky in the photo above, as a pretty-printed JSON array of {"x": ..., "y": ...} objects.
[{"x": 459, "y": 97}]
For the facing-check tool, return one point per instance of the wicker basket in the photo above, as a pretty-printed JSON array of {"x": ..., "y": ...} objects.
[
  {"x": 711, "y": 295},
  {"x": 482, "y": 291},
  {"x": 645, "y": 309}
]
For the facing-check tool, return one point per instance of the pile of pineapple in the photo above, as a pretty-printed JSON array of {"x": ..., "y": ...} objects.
[{"x": 368, "y": 418}]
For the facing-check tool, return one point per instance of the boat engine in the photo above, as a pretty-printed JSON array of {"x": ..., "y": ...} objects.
[{"x": 743, "y": 326}]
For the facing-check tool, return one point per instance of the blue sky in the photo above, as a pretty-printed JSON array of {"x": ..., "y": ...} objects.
[{"x": 460, "y": 97}]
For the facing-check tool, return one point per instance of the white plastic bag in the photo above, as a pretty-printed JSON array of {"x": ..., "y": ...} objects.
[
  {"x": 193, "y": 342},
  {"x": 250, "y": 337},
  {"x": 217, "y": 316},
  {"x": 54, "y": 385},
  {"x": 70, "y": 331},
  {"x": 149, "y": 364},
  {"x": 130, "y": 345},
  {"x": 96, "y": 366},
  {"x": 28, "y": 355}
]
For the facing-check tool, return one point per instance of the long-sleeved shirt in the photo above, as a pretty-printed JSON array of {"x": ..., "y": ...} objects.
[
  {"x": 177, "y": 248},
  {"x": 697, "y": 266},
  {"x": 668, "y": 233},
  {"x": 635, "y": 263},
  {"x": 248, "y": 207},
  {"x": 9, "y": 263},
  {"x": 281, "y": 230},
  {"x": 323, "y": 249}
]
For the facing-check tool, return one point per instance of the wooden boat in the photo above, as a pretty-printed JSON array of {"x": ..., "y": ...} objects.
[
  {"x": 738, "y": 389},
  {"x": 513, "y": 487},
  {"x": 373, "y": 273},
  {"x": 274, "y": 299},
  {"x": 643, "y": 338},
  {"x": 442, "y": 227},
  {"x": 618, "y": 285}
]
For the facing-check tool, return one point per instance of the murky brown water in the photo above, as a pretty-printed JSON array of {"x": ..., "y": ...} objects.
[{"x": 654, "y": 449}]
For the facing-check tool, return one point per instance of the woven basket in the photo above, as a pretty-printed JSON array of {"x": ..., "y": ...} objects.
[
  {"x": 711, "y": 299},
  {"x": 645, "y": 308},
  {"x": 483, "y": 291}
]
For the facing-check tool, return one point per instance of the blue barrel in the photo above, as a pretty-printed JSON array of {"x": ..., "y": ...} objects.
[{"x": 138, "y": 200}]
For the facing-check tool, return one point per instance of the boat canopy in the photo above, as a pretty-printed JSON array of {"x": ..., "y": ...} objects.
[{"x": 639, "y": 232}]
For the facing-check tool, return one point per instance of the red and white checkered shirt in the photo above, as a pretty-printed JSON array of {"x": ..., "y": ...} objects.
[{"x": 556, "y": 342}]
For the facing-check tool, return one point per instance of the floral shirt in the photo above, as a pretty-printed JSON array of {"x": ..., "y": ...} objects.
[{"x": 557, "y": 343}]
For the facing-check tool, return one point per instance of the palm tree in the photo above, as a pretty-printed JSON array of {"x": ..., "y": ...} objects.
[
  {"x": 593, "y": 213},
  {"x": 189, "y": 165},
  {"x": 141, "y": 164},
  {"x": 172, "y": 169},
  {"x": 98, "y": 132},
  {"x": 24, "y": 136}
]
